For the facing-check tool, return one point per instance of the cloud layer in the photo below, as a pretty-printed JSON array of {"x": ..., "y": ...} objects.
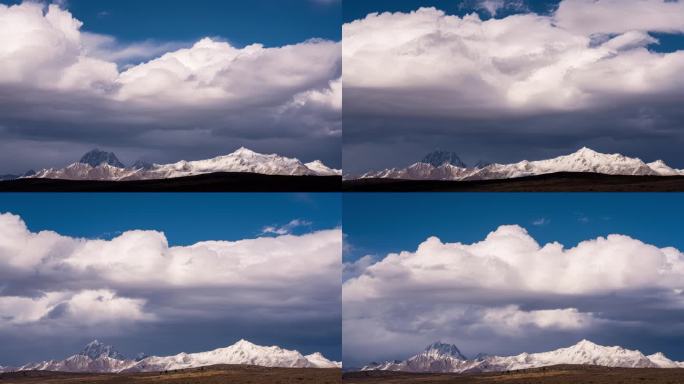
[
  {"x": 508, "y": 294},
  {"x": 467, "y": 77},
  {"x": 70, "y": 86},
  {"x": 67, "y": 287}
]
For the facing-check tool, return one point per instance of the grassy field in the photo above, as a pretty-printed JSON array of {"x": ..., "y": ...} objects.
[
  {"x": 237, "y": 374},
  {"x": 556, "y": 182},
  {"x": 562, "y": 374}
]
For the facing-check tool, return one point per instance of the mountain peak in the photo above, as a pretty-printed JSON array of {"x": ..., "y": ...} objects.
[
  {"x": 242, "y": 151},
  {"x": 438, "y": 158},
  {"x": 96, "y": 349},
  {"x": 587, "y": 152},
  {"x": 242, "y": 343},
  {"x": 584, "y": 344},
  {"x": 97, "y": 157},
  {"x": 444, "y": 349}
]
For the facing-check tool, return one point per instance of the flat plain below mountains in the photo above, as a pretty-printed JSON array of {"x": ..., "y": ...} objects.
[
  {"x": 560, "y": 374},
  {"x": 213, "y": 182},
  {"x": 555, "y": 182},
  {"x": 237, "y": 374}
]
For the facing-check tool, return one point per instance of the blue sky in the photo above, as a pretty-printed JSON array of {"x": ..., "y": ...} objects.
[
  {"x": 381, "y": 223},
  {"x": 269, "y": 22},
  {"x": 355, "y": 9},
  {"x": 185, "y": 218}
]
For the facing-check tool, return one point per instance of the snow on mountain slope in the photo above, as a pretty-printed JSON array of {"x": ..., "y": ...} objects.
[
  {"x": 322, "y": 169},
  {"x": 320, "y": 361},
  {"x": 242, "y": 352},
  {"x": 96, "y": 349},
  {"x": 100, "y": 358},
  {"x": 97, "y": 157},
  {"x": 80, "y": 171},
  {"x": 95, "y": 357},
  {"x": 105, "y": 166},
  {"x": 79, "y": 363},
  {"x": 582, "y": 353},
  {"x": 437, "y": 357},
  {"x": 422, "y": 171},
  {"x": 663, "y": 362},
  {"x": 584, "y": 160}
]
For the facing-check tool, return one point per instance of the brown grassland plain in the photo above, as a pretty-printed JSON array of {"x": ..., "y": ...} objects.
[
  {"x": 562, "y": 374},
  {"x": 223, "y": 374}
]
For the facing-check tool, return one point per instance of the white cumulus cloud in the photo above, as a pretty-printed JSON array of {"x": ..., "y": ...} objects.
[
  {"x": 82, "y": 308},
  {"x": 620, "y": 16},
  {"x": 430, "y": 62},
  {"x": 48, "y": 278}
]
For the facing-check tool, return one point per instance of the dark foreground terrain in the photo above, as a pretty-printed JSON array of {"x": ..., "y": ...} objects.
[
  {"x": 215, "y": 182},
  {"x": 561, "y": 374},
  {"x": 238, "y": 374},
  {"x": 555, "y": 182}
]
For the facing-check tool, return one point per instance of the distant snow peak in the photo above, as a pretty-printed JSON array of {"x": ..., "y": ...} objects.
[
  {"x": 99, "y": 165},
  {"x": 97, "y": 157},
  {"x": 96, "y": 349},
  {"x": 97, "y": 357},
  {"x": 444, "y": 358},
  {"x": 442, "y": 349},
  {"x": 242, "y": 151},
  {"x": 438, "y": 158},
  {"x": 584, "y": 160}
]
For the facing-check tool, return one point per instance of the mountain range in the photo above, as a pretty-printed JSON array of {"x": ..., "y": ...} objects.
[
  {"x": 447, "y": 166},
  {"x": 98, "y": 357},
  {"x": 105, "y": 166},
  {"x": 445, "y": 358}
]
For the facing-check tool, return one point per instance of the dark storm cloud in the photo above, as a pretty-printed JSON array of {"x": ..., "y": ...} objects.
[
  {"x": 648, "y": 128},
  {"x": 52, "y": 129}
]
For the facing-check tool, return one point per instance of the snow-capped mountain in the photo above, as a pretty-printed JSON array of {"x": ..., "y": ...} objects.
[
  {"x": 438, "y": 158},
  {"x": 663, "y": 362},
  {"x": 100, "y": 358},
  {"x": 584, "y": 160},
  {"x": 437, "y": 357},
  {"x": 97, "y": 157},
  {"x": 96, "y": 349},
  {"x": 95, "y": 357},
  {"x": 242, "y": 352},
  {"x": 582, "y": 353},
  {"x": 98, "y": 165}
]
